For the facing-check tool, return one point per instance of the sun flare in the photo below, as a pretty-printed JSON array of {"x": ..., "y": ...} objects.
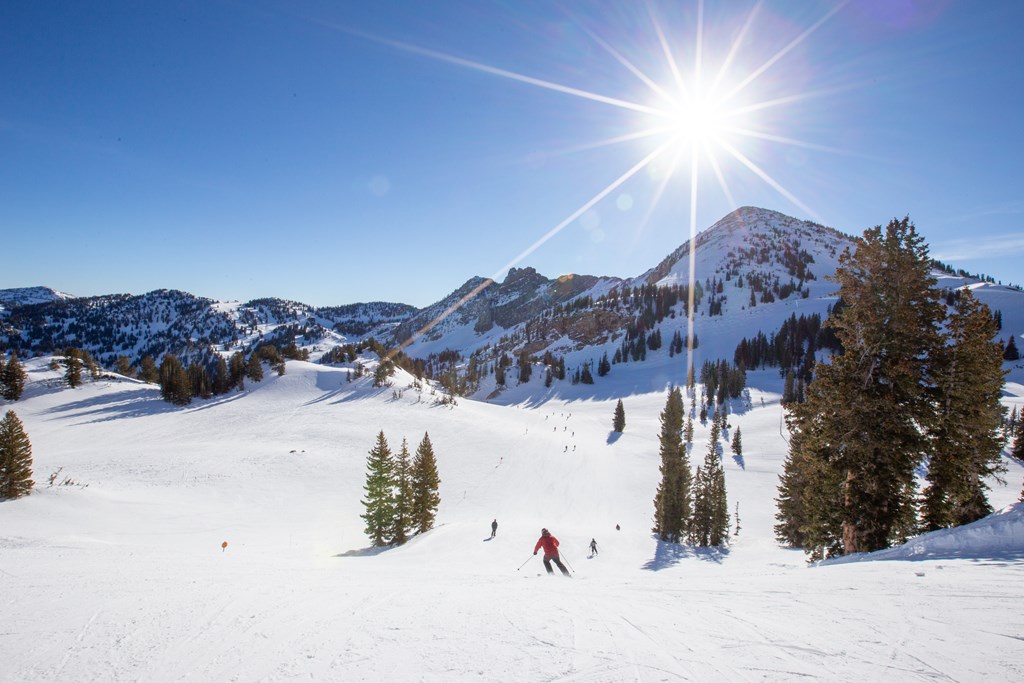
[{"x": 696, "y": 120}]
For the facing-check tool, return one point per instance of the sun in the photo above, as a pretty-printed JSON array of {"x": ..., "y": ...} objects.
[{"x": 698, "y": 120}]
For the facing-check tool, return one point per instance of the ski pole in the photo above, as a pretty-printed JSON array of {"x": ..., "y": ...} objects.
[
  {"x": 567, "y": 563},
  {"x": 524, "y": 563}
]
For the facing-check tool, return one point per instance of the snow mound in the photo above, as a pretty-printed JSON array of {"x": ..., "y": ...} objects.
[{"x": 998, "y": 536}]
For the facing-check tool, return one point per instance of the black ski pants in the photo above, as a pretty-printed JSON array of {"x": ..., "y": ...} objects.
[{"x": 548, "y": 559}]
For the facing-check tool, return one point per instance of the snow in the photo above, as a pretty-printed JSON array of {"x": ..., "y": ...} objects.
[{"x": 121, "y": 575}]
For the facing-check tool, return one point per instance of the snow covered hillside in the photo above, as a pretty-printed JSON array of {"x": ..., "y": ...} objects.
[{"x": 116, "y": 571}]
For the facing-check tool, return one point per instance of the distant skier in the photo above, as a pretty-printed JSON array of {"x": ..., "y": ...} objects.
[
  {"x": 494, "y": 528},
  {"x": 550, "y": 545},
  {"x": 617, "y": 528},
  {"x": 593, "y": 547}
]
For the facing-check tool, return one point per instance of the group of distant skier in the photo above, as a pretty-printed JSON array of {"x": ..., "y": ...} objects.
[{"x": 549, "y": 544}]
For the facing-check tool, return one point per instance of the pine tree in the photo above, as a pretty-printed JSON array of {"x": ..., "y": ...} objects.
[
  {"x": 236, "y": 370},
  {"x": 254, "y": 368},
  {"x": 175, "y": 386},
  {"x": 147, "y": 370},
  {"x": 199, "y": 381},
  {"x": 619, "y": 421},
  {"x": 710, "y": 525},
  {"x": 15, "y": 458},
  {"x": 123, "y": 365},
  {"x": 688, "y": 430},
  {"x": 72, "y": 362},
  {"x": 861, "y": 423},
  {"x": 425, "y": 484},
  {"x": 12, "y": 378},
  {"x": 966, "y": 439},
  {"x": 737, "y": 444},
  {"x": 604, "y": 366},
  {"x": 1011, "y": 353},
  {"x": 221, "y": 379},
  {"x": 672, "y": 501},
  {"x": 380, "y": 493},
  {"x": 403, "y": 496},
  {"x": 585, "y": 376}
]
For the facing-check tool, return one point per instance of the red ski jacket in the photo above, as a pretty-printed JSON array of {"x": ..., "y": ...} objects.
[{"x": 550, "y": 545}]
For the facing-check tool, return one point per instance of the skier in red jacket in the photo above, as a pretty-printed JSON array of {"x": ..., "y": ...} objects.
[{"x": 550, "y": 545}]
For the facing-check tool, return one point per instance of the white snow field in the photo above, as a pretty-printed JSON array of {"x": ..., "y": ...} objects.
[{"x": 120, "y": 575}]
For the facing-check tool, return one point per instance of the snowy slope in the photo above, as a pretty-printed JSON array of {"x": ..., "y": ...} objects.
[{"x": 120, "y": 575}]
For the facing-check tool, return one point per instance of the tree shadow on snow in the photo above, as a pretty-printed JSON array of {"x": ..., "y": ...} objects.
[
  {"x": 670, "y": 554},
  {"x": 613, "y": 437},
  {"x": 365, "y": 552},
  {"x": 739, "y": 461}
]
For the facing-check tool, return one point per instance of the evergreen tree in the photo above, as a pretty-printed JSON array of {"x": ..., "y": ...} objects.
[
  {"x": 864, "y": 410},
  {"x": 12, "y": 378},
  {"x": 199, "y": 381},
  {"x": 175, "y": 386},
  {"x": 672, "y": 501},
  {"x": 619, "y": 421},
  {"x": 966, "y": 439},
  {"x": 89, "y": 363},
  {"x": 403, "y": 524},
  {"x": 15, "y": 458},
  {"x": 380, "y": 493},
  {"x": 221, "y": 379},
  {"x": 737, "y": 444},
  {"x": 810, "y": 507},
  {"x": 254, "y": 368},
  {"x": 236, "y": 370},
  {"x": 72, "y": 362},
  {"x": 123, "y": 365},
  {"x": 585, "y": 376},
  {"x": 710, "y": 525},
  {"x": 147, "y": 370},
  {"x": 1011, "y": 353},
  {"x": 604, "y": 366},
  {"x": 425, "y": 484},
  {"x": 688, "y": 430}
]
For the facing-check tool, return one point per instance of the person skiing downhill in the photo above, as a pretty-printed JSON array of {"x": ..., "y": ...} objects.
[
  {"x": 550, "y": 545},
  {"x": 593, "y": 546},
  {"x": 494, "y": 528}
]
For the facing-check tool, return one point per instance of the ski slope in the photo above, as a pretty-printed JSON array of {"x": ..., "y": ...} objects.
[{"x": 121, "y": 574}]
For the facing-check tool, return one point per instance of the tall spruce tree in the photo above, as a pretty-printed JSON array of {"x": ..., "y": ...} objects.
[
  {"x": 1011, "y": 353},
  {"x": 672, "y": 501},
  {"x": 15, "y": 458},
  {"x": 966, "y": 436},
  {"x": 380, "y": 493},
  {"x": 425, "y": 485},
  {"x": 737, "y": 444},
  {"x": 72, "y": 361},
  {"x": 148, "y": 371},
  {"x": 174, "y": 382},
  {"x": 403, "y": 525},
  {"x": 864, "y": 411},
  {"x": 619, "y": 421},
  {"x": 710, "y": 524},
  {"x": 236, "y": 370},
  {"x": 254, "y": 368},
  {"x": 12, "y": 378}
]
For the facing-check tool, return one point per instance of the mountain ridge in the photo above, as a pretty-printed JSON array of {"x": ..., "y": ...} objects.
[{"x": 753, "y": 268}]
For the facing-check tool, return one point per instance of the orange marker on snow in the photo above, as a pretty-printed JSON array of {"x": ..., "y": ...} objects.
[{"x": 223, "y": 546}]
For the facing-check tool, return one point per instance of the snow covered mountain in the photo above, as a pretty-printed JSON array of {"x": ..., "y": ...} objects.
[
  {"x": 753, "y": 269},
  {"x": 28, "y": 296}
]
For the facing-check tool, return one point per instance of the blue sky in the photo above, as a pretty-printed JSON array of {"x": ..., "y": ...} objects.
[{"x": 341, "y": 152}]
